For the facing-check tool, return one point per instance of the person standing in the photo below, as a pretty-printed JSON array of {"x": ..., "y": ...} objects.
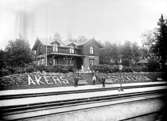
[
  {"x": 121, "y": 77},
  {"x": 103, "y": 81},
  {"x": 76, "y": 79},
  {"x": 94, "y": 79}
]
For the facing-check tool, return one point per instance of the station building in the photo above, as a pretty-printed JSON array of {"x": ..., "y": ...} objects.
[{"x": 78, "y": 54}]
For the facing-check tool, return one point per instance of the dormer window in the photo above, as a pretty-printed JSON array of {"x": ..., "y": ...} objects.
[
  {"x": 55, "y": 48},
  {"x": 91, "y": 50},
  {"x": 71, "y": 49}
]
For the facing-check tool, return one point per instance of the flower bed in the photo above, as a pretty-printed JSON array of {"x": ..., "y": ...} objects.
[{"x": 44, "y": 80}]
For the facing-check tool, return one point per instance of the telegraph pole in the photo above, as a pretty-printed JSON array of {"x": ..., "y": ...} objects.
[
  {"x": 46, "y": 55},
  {"x": 120, "y": 69}
]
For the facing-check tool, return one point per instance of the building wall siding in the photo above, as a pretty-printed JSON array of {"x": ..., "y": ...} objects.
[
  {"x": 81, "y": 50},
  {"x": 86, "y": 48}
]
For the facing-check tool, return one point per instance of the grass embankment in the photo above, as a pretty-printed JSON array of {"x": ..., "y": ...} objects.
[{"x": 45, "y": 80}]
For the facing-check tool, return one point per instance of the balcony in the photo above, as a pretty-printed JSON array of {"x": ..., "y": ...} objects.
[{"x": 64, "y": 50}]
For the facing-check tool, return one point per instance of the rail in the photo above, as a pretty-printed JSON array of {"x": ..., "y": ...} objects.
[{"x": 30, "y": 104}]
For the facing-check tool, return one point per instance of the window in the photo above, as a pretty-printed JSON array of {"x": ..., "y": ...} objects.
[
  {"x": 71, "y": 49},
  {"x": 91, "y": 62},
  {"x": 55, "y": 48},
  {"x": 42, "y": 61},
  {"x": 91, "y": 50}
]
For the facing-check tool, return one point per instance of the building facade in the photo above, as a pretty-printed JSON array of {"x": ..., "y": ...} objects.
[{"x": 79, "y": 55}]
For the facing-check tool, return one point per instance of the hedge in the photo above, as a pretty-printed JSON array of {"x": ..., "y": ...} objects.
[
  {"x": 105, "y": 68},
  {"x": 115, "y": 68},
  {"x": 34, "y": 68}
]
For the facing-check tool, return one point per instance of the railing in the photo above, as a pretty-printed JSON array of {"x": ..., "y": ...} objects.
[{"x": 66, "y": 50}]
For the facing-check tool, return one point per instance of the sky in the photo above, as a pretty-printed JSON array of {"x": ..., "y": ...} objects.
[{"x": 115, "y": 21}]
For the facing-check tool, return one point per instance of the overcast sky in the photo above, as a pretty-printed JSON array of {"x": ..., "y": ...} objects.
[{"x": 105, "y": 20}]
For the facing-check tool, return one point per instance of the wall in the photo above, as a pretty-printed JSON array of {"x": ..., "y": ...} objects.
[
  {"x": 86, "y": 48},
  {"x": 86, "y": 60}
]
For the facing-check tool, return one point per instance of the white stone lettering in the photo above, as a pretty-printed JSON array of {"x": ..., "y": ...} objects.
[
  {"x": 38, "y": 80},
  {"x": 63, "y": 80},
  {"x": 30, "y": 80},
  {"x": 47, "y": 80}
]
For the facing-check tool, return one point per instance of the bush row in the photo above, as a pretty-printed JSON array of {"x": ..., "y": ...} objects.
[
  {"x": 33, "y": 68},
  {"x": 69, "y": 68},
  {"x": 105, "y": 68},
  {"x": 115, "y": 68}
]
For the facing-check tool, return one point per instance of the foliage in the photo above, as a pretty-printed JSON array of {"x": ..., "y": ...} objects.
[
  {"x": 15, "y": 57},
  {"x": 18, "y": 53},
  {"x": 105, "y": 68},
  {"x": 3, "y": 71},
  {"x": 56, "y": 68},
  {"x": 129, "y": 53},
  {"x": 156, "y": 44},
  {"x": 115, "y": 68},
  {"x": 109, "y": 54},
  {"x": 139, "y": 68},
  {"x": 159, "y": 48}
]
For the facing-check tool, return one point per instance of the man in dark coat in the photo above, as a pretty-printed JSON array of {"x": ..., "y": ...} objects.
[{"x": 103, "y": 79}]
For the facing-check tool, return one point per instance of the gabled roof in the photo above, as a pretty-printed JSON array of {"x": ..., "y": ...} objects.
[
  {"x": 51, "y": 41},
  {"x": 45, "y": 41},
  {"x": 71, "y": 44},
  {"x": 89, "y": 41},
  {"x": 36, "y": 44},
  {"x": 81, "y": 43},
  {"x": 58, "y": 42}
]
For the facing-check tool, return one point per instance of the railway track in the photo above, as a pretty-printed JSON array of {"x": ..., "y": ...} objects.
[{"x": 22, "y": 106}]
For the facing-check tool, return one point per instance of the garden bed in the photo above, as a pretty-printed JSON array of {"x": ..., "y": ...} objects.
[{"x": 45, "y": 80}]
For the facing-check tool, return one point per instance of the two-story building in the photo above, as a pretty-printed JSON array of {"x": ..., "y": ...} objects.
[{"x": 75, "y": 53}]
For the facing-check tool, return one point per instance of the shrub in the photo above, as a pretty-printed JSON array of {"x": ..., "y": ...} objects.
[
  {"x": 140, "y": 68},
  {"x": 105, "y": 68},
  {"x": 56, "y": 68},
  {"x": 114, "y": 68},
  {"x": 30, "y": 68},
  {"x": 127, "y": 69},
  {"x": 153, "y": 66}
]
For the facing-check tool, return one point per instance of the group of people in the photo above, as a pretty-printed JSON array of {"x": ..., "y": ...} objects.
[
  {"x": 101, "y": 79},
  {"x": 96, "y": 79}
]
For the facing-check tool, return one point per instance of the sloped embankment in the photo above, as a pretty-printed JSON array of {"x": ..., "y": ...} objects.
[{"x": 44, "y": 80}]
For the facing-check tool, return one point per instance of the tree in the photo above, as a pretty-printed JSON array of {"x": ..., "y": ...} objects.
[
  {"x": 159, "y": 47},
  {"x": 57, "y": 36},
  {"x": 126, "y": 52},
  {"x": 156, "y": 44},
  {"x": 2, "y": 59},
  {"x": 18, "y": 53},
  {"x": 109, "y": 54},
  {"x": 148, "y": 54},
  {"x": 149, "y": 38},
  {"x": 136, "y": 52},
  {"x": 112, "y": 53}
]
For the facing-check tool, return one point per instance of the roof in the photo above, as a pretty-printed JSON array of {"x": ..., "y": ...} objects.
[
  {"x": 81, "y": 43},
  {"x": 49, "y": 41}
]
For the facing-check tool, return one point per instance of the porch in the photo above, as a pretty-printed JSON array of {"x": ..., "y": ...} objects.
[{"x": 65, "y": 59}]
